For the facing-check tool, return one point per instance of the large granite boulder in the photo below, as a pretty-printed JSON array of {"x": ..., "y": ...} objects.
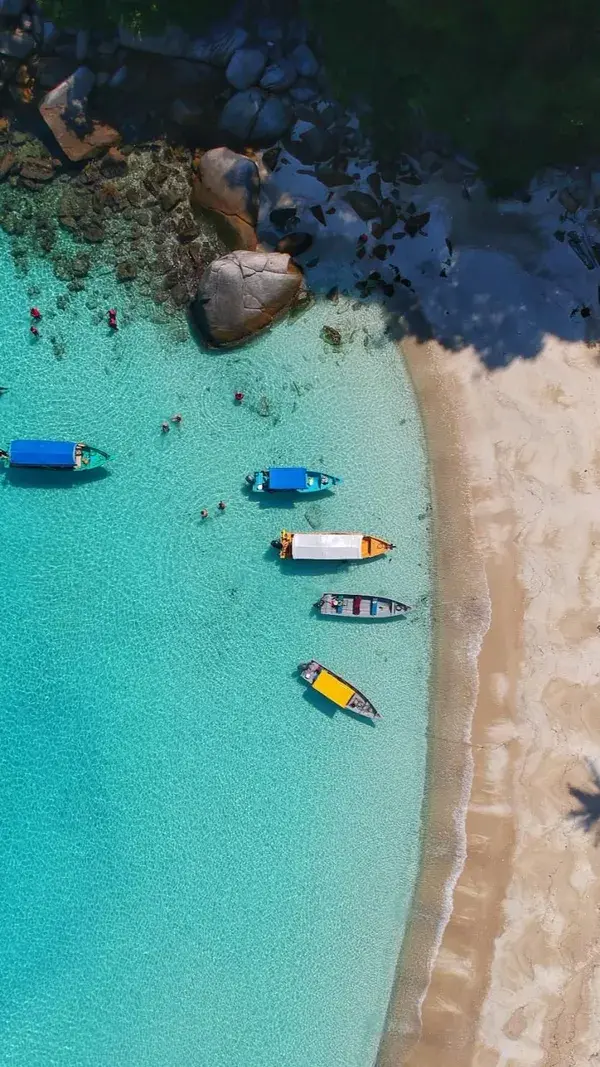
[
  {"x": 245, "y": 67},
  {"x": 228, "y": 185},
  {"x": 243, "y": 293},
  {"x": 254, "y": 117},
  {"x": 64, "y": 111},
  {"x": 16, "y": 45},
  {"x": 304, "y": 60},
  {"x": 279, "y": 76}
]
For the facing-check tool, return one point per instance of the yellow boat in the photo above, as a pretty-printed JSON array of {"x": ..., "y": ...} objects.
[
  {"x": 333, "y": 687},
  {"x": 333, "y": 546}
]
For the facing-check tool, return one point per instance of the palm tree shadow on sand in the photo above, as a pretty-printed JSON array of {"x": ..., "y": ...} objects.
[{"x": 587, "y": 815}]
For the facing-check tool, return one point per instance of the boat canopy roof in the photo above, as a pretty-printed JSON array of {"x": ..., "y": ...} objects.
[
  {"x": 42, "y": 453},
  {"x": 327, "y": 546},
  {"x": 287, "y": 477},
  {"x": 333, "y": 688}
]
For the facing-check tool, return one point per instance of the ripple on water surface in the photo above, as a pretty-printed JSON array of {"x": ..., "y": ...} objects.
[{"x": 200, "y": 864}]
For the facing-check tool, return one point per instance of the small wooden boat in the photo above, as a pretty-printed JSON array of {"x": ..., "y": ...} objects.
[
  {"x": 54, "y": 455},
  {"x": 330, "y": 546},
  {"x": 291, "y": 480},
  {"x": 359, "y": 606},
  {"x": 333, "y": 687}
]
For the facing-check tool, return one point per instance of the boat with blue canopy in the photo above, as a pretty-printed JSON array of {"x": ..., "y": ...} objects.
[
  {"x": 291, "y": 480},
  {"x": 54, "y": 455}
]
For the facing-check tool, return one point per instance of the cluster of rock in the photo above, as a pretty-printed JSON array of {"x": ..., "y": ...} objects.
[{"x": 241, "y": 84}]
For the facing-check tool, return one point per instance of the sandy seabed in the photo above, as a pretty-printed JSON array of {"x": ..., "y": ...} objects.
[{"x": 515, "y": 456}]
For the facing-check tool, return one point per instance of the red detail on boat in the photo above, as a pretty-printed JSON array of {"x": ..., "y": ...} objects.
[{"x": 356, "y": 605}]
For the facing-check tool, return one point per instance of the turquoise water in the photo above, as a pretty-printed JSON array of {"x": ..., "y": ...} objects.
[{"x": 201, "y": 867}]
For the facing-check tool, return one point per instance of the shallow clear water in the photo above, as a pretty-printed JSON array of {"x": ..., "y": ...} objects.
[{"x": 199, "y": 865}]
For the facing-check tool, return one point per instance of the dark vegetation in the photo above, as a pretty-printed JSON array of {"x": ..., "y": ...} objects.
[{"x": 515, "y": 85}]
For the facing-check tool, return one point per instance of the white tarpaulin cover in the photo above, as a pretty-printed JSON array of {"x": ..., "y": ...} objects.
[{"x": 327, "y": 546}]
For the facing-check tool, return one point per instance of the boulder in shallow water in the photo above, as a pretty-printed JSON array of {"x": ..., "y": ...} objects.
[
  {"x": 365, "y": 205},
  {"x": 228, "y": 184},
  {"x": 279, "y": 76},
  {"x": 243, "y": 293},
  {"x": 295, "y": 244}
]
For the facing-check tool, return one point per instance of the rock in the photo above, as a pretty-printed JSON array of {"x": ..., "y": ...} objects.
[
  {"x": 314, "y": 145},
  {"x": 331, "y": 335},
  {"x": 415, "y": 223},
  {"x": 114, "y": 164},
  {"x": 270, "y": 29},
  {"x": 17, "y": 45},
  {"x": 380, "y": 251},
  {"x": 388, "y": 214},
  {"x": 80, "y": 265},
  {"x": 82, "y": 43},
  {"x": 332, "y": 177},
  {"x": 126, "y": 271},
  {"x": 91, "y": 230},
  {"x": 187, "y": 228},
  {"x": 64, "y": 111},
  {"x": 574, "y": 197},
  {"x": 295, "y": 244},
  {"x": 374, "y": 183},
  {"x": 304, "y": 61},
  {"x": 304, "y": 91},
  {"x": 7, "y": 163},
  {"x": 11, "y": 8},
  {"x": 245, "y": 67},
  {"x": 253, "y": 117},
  {"x": 333, "y": 295},
  {"x": 118, "y": 77},
  {"x": 270, "y": 158},
  {"x": 218, "y": 48},
  {"x": 279, "y": 76},
  {"x": 243, "y": 293},
  {"x": 173, "y": 42},
  {"x": 317, "y": 211},
  {"x": 240, "y": 113},
  {"x": 273, "y": 120},
  {"x": 228, "y": 184},
  {"x": 170, "y": 197},
  {"x": 283, "y": 217},
  {"x": 365, "y": 206},
  {"x": 36, "y": 171}
]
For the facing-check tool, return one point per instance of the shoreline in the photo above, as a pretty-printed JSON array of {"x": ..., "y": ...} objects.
[
  {"x": 511, "y": 976},
  {"x": 460, "y": 623}
]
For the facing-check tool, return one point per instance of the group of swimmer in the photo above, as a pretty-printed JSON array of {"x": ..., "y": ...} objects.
[
  {"x": 36, "y": 315},
  {"x": 164, "y": 426}
]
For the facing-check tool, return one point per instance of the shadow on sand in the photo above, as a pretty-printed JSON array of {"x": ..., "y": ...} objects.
[{"x": 587, "y": 815}]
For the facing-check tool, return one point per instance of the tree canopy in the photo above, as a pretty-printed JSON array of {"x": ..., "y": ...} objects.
[{"x": 513, "y": 84}]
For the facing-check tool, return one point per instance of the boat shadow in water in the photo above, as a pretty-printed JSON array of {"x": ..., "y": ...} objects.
[
  {"x": 286, "y": 501},
  {"x": 36, "y": 478},
  {"x": 309, "y": 568},
  {"x": 320, "y": 703}
]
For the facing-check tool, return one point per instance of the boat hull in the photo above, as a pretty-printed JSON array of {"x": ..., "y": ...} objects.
[
  {"x": 316, "y": 482},
  {"x": 361, "y": 606},
  {"x": 334, "y": 688},
  {"x": 332, "y": 547}
]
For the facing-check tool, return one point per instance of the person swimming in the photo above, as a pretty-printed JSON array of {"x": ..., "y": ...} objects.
[
  {"x": 34, "y": 330},
  {"x": 221, "y": 505},
  {"x": 164, "y": 426},
  {"x": 177, "y": 418},
  {"x": 204, "y": 513},
  {"x": 35, "y": 314},
  {"x": 238, "y": 397}
]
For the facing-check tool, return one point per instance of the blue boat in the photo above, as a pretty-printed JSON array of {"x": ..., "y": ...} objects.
[
  {"x": 291, "y": 480},
  {"x": 54, "y": 455}
]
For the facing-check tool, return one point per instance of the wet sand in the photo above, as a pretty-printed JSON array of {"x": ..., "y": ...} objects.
[{"x": 515, "y": 456}]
